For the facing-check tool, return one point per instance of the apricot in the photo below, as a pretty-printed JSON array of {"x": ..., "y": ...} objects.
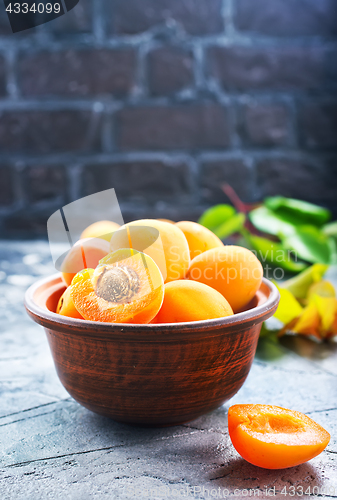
[
  {"x": 191, "y": 301},
  {"x": 126, "y": 287},
  {"x": 233, "y": 271},
  {"x": 66, "y": 306},
  {"x": 85, "y": 253},
  {"x": 162, "y": 241},
  {"x": 167, "y": 220},
  {"x": 101, "y": 229},
  {"x": 199, "y": 238},
  {"x": 273, "y": 437}
]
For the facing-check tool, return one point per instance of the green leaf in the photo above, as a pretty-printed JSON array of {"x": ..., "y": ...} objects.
[
  {"x": 310, "y": 244},
  {"x": 268, "y": 221},
  {"x": 330, "y": 229},
  {"x": 274, "y": 253},
  {"x": 217, "y": 215},
  {"x": 232, "y": 225},
  {"x": 306, "y": 213},
  {"x": 299, "y": 285}
]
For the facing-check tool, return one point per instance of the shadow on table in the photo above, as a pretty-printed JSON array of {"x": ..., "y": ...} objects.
[{"x": 308, "y": 348}]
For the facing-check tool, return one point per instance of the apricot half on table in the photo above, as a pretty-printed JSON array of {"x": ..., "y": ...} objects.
[
  {"x": 126, "y": 287},
  {"x": 191, "y": 301},
  {"x": 199, "y": 238},
  {"x": 162, "y": 241},
  {"x": 273, "y": 437},
  {"x": 101, "y": 229},
  {"x": 233, "y": 271},
  {"x": 85, "y": 253},
  {"x": 66, "y": 306}
]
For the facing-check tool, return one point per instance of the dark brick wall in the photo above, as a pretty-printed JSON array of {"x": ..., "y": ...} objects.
[{"x": 164, "y": 100}]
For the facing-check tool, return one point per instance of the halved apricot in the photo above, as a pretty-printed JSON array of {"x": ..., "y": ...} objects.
[
  {"x": 126, "y": 287},
  {"x": 66, "y": 306},
  {"x": 85, "y": 253},
  {"x": 199, "y": 238},
  {"x": 101, "y": 229},
  {"x": 232, "y": 270},
  {"x": 273, "y": 437},
  {"x": 191, "y": 301},
  {"x": 162, "y": 241}
]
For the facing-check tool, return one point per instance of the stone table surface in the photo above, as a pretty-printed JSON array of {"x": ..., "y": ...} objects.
[{"x": 52, "y": 448}]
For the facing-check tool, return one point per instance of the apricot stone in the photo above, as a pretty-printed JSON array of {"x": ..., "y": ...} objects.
[
  {"x": 199, "y": 238},
  {"x": 233, "y": 271},
  {"x": 191, "y": 301}
]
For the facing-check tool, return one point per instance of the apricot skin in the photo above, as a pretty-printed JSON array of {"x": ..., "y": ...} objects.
[
  {"x": 233, "y": 271},
  {"x": 170, "y": 252},
  {"x": 199, "y": 238},
  {"x": 272, "y": 437},
  {"x": 101, "y": 229},
  {"x": 85, "y": 253},
  {"x": 191, "y": 301},
  {"x": 66, "y": 306}
]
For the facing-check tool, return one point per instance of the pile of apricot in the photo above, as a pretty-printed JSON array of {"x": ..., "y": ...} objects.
[{"x": 156, "y": 271}]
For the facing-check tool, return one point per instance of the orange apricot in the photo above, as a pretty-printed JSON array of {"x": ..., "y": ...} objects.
[
  {"x": 232, "y": 270},
  {"x": 162, "y": 241},
  {"x": 191, "y": 301},
  {"x": 199, "y": 238},
  {"x": 101, "y": 229},
  {"x": 126, "y": 287},
  {"x": 85, "y": 253},
  {"x": 273, "y": 437},
  {"x": 66, "y": 306}
]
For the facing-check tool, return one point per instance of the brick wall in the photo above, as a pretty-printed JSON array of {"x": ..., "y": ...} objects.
[{"x": 164, "y": 100}]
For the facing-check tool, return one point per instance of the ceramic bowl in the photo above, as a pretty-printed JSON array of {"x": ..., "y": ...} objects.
[{"x": 156, "y": 375}]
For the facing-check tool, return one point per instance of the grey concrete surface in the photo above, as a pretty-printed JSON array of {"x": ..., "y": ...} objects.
[{"x": 52, "y": 448}]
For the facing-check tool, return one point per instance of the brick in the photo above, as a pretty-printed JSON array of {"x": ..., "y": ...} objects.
[
  {"x": 173, "y": 127},
  {"x": 312, "y": 181},
  {"x": 6, "y": 186},
  {"x": 265, "y": 124},
  {"x": 196, "y": 17},
  {"x": 46, "y": 183},
  {"x": 82, "y": 72},
  {"x": 78, "y": 20},
  {"x": 139, "y": 181},
  {"x": 318, "y": 124},
  {"x": 170, "y": 70},
  {"x": 5, "y": 27},
  {"x": 243, "y": 68},
  {"x": 29, "y": 223},
  {"x": 48, "y": 131},
  {"x": 2, "y": 76},
  {"x": 287, "y": 17},
  {"x": 234, "y": 172}
]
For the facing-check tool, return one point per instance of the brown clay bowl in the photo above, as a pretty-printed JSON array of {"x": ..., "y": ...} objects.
[{"x": 155, "y": 375}]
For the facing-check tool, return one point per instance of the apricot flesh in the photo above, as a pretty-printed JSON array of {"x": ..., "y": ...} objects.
[
  {"x": 199, "y": 238},
  {"x": 273, "y": 437},
  {"x": 191, "y": 301},
  {"x": 165, "y": 243},
  {"x": 101, "y": 229},
  {"x": 126, "y": 287},
  {"x": 233, "y": 271},
  {"x": 66, "y": 306},
  {"x": 85, "y": 253}
]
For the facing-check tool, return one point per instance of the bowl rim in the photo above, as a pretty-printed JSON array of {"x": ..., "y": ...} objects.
[{"x": 54, "y": 321}]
